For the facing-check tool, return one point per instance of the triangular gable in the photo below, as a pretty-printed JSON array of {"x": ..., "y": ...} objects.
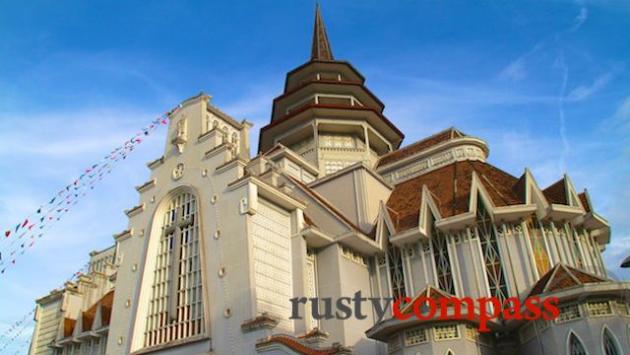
[
  {"x": 534, "y": 194},
  {"x": 572, "y": 195},
  {"x": 585, "y": 201},
  {"x": 429, "y": 211},
  {"x": 431, "y": 292},
  {"x": 562, "y": 277}
]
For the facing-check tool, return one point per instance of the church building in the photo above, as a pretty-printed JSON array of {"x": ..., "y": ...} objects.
[{"x": 334, "y": 206}]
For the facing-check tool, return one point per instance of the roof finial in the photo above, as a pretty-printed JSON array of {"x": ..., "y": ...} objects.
[{"x": 321, "y": 47}]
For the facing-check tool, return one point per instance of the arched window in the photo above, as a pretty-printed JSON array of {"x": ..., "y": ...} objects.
[
  {"x": 575, "y": 345},
  {"x": 609, "y": 343},
  {"x": 442, "y": 260},
  {"x": 449, "y": 352},
  {"x": 491, "y": 255},
  {"x": 176, "y": 304},
  {"x": 396, "y": 273}
]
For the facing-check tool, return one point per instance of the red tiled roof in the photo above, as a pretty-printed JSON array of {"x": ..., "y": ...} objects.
[
  {"x": 556, "y": 193},
  {"x": 301, "y": 348},
  {"x": 561, "y": 277},
  {"x": 450, "y": 188},
  {"x": 443, "y": 136}
]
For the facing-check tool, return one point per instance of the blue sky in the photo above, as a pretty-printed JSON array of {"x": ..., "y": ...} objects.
[{"x": 545, "y": 83}]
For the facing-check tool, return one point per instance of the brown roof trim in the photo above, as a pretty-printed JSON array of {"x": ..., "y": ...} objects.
[
  {"x": 334, "y": 107},
  {"x": 310, "y": 62},
  {"x": 332, "y": 82}
]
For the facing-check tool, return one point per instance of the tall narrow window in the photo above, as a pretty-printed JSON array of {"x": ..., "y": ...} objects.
[
  {"x": 176, "y": 306},
  {"x": 491, "y": 255},
  {"x": 442, "y": 260},
  {"x": 396, "y": 273},
  {"x": 538, "y": 246},
  {"x": 311, "y": 284},
  {"x": 575, "y": 346},
  {"x": 609, "y": 344}
]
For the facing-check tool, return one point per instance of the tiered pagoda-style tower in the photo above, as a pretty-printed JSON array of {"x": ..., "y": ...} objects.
[{"x": 327, "y": 115}]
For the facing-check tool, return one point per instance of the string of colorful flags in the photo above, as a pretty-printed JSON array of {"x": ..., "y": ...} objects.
[
  {"x": 26, "y": 232},
  {"x": 15, "y": 331}
]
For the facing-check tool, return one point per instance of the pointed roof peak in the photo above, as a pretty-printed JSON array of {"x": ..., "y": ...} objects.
[{"x": 320, "y": 49}]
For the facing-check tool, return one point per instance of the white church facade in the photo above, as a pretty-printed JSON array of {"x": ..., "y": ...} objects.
[{"x": 220, "y": 242}]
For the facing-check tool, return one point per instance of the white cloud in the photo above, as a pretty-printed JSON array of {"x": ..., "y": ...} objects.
[
  {"x": 620, "y": 120},
  {"x": 515, "y": 71},
  {"x": 585, "y": 91},
  {"x": 579, "y": 19}
]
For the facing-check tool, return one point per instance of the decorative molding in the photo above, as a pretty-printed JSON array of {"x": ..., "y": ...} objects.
[
  {"x": 216, "y": 150},
  {"x": 124, "y": 235},
  {"x": 155, "y": 163},
  {"x": 135, "y": 210},
  {"x": 146, "y": 186},
  {"x": 433, "y": 162}
]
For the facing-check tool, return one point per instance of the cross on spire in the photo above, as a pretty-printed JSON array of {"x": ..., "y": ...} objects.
[{"x": 321, "y": 47}]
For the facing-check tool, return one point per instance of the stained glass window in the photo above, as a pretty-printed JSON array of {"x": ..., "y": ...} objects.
[{"x": 538, "y": 246}]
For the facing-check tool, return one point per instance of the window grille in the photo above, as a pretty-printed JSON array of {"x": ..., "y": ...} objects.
[
  {"x": 471, "y": 333},
  {"x": 176, "y": 305},
  {"x": 610, "y": 346},
  {"x": 332, "y": 166},
  {"x": 396, "y": 272},
  {"x": 575, "y": 346},
  {"x": 415, "y": 336},
  {"x": 491, "y": 254},
  {"x": 599, "y": 308},
  {"x": 568, "y": 312},
  {"x": 445, "y": 332},
  {"x": 442, "y": 260}
]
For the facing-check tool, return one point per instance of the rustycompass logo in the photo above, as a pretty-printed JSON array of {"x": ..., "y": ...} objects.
[{"x": 480, "y": 310}]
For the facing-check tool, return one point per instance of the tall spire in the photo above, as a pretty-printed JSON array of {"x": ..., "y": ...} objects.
[{"x": 321, "y": 47}]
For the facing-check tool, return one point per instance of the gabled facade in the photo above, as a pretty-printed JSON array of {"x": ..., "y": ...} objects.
[
  {"x": 331, "y": 207},
  {"x": 75, "y": 319}
]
